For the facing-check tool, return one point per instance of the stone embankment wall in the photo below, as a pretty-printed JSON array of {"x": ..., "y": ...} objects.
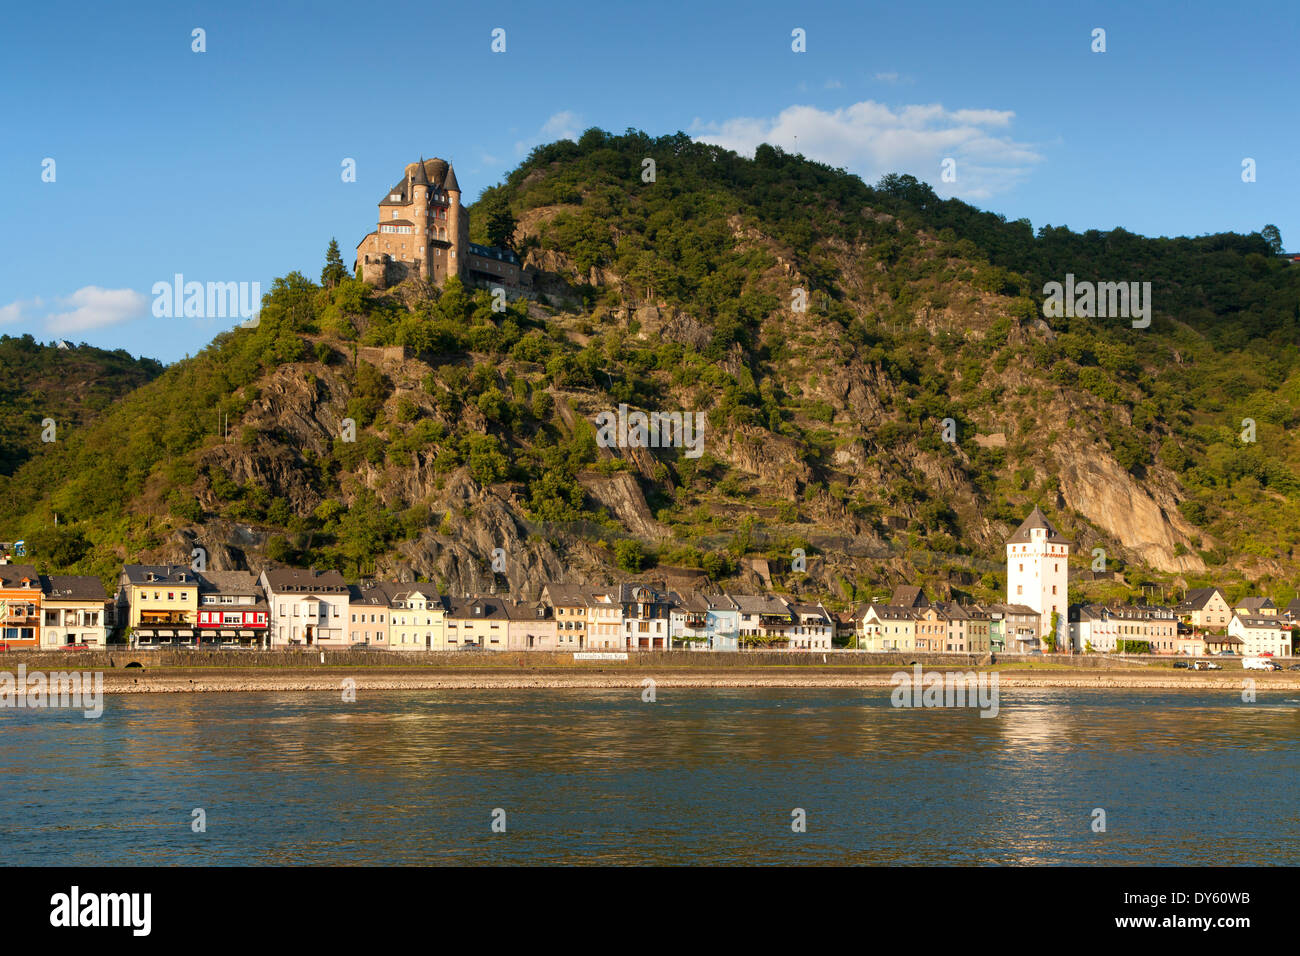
[{"x": 118, "y": 657}]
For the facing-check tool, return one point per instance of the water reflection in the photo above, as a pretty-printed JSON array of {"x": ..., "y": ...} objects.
[{"x": 699, "y": 776}]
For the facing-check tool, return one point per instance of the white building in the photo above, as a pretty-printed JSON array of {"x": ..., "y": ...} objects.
[
  {"x": 813, "y": 628},
  {"x": 74, "y": 611},
  {"x": 1038, "y": 569},
  {"x": 1261, "y": 634},
  {"x": 307, "y": 607},
  {"x": 647, "y": 618}
]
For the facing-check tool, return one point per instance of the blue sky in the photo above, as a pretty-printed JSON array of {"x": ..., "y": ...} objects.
[{"x": 225, "y": 165}]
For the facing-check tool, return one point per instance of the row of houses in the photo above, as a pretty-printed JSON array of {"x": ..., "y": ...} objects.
[
  {"x": 1204, "y": 622},
  {"x": 50, "y": 610},
  {"x": 909, "y": 622},
  {"x": 160, "y": 605},
  {"x": 285, "y": 607}
]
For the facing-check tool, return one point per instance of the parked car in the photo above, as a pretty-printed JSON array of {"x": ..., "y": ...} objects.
[
  {"x": 1259, "y": 664},
  {"x": 1182, "y": 665},
  {"x": 1206, "y": 666},
  {"x": 360, "y": 645}
]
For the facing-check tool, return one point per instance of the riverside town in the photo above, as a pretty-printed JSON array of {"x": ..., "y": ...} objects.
[{"x": 159, "y": 606}]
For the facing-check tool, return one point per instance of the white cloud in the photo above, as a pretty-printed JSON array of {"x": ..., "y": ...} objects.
[
  {"x": 13, "y": 312},
  {"x": 94, "y": 308},
  {"x": 834, "y": 85},
  {"x": 872, "y": 139},
  {"x": 561, "y": 125}
]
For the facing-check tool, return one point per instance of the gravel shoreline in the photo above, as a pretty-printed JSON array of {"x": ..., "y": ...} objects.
[{"x": 207, "y": 682}]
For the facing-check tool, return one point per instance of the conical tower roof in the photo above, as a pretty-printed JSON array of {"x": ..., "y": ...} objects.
[
  {"x": 1035, "y": 521},
  {"x": 450, "y": 182}
]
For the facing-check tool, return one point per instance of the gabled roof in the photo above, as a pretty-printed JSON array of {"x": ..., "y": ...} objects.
[
  {"x": 626, "y": 592},
  {"x": 373, "y": 593},
  {"x": 476, "y": 608},
  {"x": 1035, "y": 521},
  {"x": 1197, "y": 598},
  {"x": 692, "y": 601},
  {"x": 13, "y": 575},
  {"x": 890, "y": 612},
  {"x": 760, "y": 604},
  {"x": 1260, "y": 621},
  {"x": 305, "y": 581},
  {"x": 954, "y": 611},
  {"x": 812, "y": 609},
  {"x": 399, "y": 593},
  {"x": 140, "y": 574},
  {"x": 229, "y": 582},
  {"x": 905, "y": 595},
  {"x": 73, "y": 587},
  {"x": 1255, "y": 603},
  {"x": 527, "y": 611},
  {"x": 564, "y": 595}
]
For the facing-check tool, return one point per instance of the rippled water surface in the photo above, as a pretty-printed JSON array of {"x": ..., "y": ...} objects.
[{"x": 700, "y": 776}]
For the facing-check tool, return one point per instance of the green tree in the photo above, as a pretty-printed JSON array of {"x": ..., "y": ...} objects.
[
  {"x": 334, "y": 271},
  {"x": 629, "y": 556},
  {"x": 1273, "y": 237},
  {"x": 501, "y": 226}
]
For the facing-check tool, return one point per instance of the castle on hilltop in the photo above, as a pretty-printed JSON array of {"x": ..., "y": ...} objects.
[{"x": 423, "y": 232}]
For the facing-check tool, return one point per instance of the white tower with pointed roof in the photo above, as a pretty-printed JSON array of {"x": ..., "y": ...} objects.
[{"x": 1038, "y": 569}]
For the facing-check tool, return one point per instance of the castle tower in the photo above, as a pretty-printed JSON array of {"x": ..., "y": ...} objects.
[
  {"x": 456, "y": 221},
  {"x": 1038, "y": 569},
  {"x": 418, "y": 183}
]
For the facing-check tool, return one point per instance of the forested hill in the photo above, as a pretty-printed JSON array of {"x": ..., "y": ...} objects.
[
  {"x": 832, "y": 333},
  {"x": 70, "y": 386}
]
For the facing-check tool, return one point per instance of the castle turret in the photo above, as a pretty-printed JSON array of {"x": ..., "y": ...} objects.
[
  {"x": 455, "y": 222},
  {"x": 420, "y": 189}
]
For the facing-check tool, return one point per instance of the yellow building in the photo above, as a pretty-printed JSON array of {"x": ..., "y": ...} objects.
[
  {"x": 159, "y": 603},
  {"x": 477, "y": 623},
  {"x": 1205, "y": 608},
  {"x": 570, "y": 606},
  {"x": 885, "y": 627},
  {"x": 369, "y": 610},
  {"x": 417, "y": 619}
]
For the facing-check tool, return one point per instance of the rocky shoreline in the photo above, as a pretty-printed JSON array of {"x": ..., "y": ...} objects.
[{"x": 315, "y": 681}]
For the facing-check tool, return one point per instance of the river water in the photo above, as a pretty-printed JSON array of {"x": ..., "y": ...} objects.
[{"x": 697, "y": 776}]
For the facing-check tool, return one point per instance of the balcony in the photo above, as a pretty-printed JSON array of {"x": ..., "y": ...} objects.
[{"x": 164, "y": 619}]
